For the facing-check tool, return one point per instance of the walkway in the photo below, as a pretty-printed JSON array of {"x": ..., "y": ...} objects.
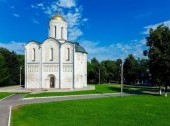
[
  {"x": 18, "y": 89},
  {"x": 17, "y": 99}
]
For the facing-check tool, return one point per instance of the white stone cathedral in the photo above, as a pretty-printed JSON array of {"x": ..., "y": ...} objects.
[{"x": 57, "y": 62}]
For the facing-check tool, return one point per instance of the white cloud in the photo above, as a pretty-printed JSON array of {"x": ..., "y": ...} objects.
[
  {"x": 66, "y": 3},
  {"x": 115, "y": 50},
  {"x": 14, "y": 46},
  {"x": 16, "y": 15},
  {"x": 69, "y": 10},
  {"x": 74, "y": 33},
  {"x": 154, "y": 26},
  {"x": 35, "y": 21}
]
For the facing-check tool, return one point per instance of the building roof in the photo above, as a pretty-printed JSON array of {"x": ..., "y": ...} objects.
[
  {"x": 58, "y": 17},
  {"x": 79, "y": 48}
]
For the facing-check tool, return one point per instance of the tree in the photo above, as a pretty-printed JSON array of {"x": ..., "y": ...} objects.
[
  {"x": 14, "y": 68},
  {"x": 143, "y": 73},
  {"x": 131, "y": 70},
  {"x": 90, "y": 73},
  {"x": 3, "y": 72},
  {"x": 21, "y": 60},
  {"x": 96, "y": 67},
  {"x": 117, "y": 71},
  {"x": 12, "y": 65},
  {"x": 158, "y": 53}
]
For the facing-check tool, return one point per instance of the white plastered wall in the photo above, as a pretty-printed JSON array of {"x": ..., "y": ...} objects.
[
  {"x": 50, "y": 67},
  {"x": 33, "y": 66},
  {"x": 81, "y": 70},
  {"x": 67, "y": 66}
]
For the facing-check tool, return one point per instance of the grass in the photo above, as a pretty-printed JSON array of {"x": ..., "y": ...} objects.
[
  {"x": 138, "y": 110},
  {"x": 4, "y": 94},
  {"x": 99, "y": 89}
]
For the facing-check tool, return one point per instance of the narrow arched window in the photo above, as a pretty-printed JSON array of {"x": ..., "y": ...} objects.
[
  {"x": 62, "y": 32},
  {"x": 51, "y": 54},
  {"x": 68, "y": 54},
  {"x": 33, "y": 54},
  {"x": 55, "y": 32}
]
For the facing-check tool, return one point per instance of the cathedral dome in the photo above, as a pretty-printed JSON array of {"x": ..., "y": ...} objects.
[{"x": 58, "y": 17}]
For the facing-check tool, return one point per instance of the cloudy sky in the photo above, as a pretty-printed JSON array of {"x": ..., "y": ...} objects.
[{"x": 107, "y": 29}]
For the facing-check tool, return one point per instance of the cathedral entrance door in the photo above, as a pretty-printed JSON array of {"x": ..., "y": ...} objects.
[{"x": 52, "y": 82}]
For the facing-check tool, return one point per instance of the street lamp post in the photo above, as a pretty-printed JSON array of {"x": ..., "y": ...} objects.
[
  {"x": 122, "y": 78},
  {"x": 20, "y": 75},
  {"x": 99, "y": 75},
  {"x": 122, "y": 72}
]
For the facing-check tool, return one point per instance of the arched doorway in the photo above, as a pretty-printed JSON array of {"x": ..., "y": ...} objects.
[{"x": 52, "y": 82}]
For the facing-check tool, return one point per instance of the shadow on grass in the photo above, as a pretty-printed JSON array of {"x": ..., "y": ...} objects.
[{"x": 141, "y": 90}]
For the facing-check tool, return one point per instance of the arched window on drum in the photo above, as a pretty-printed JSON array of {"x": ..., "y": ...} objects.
[
  {"x": 62, "y": 31},
  {"x": 33, "y": 54},
  {"x": 55, "y": 32}
]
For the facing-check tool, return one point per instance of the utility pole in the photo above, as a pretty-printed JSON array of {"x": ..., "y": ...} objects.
[
  {"x": 20, "y": 74},
  {"x": 99, "y": 75},
  {"x": 122, "y": 73},
  {"x": 122, "y": 78}
]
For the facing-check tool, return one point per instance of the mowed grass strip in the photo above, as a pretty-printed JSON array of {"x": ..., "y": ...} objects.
[
  {"x": 140, "y": 110},
  {"x": 4, "y": 94},
  {"x": 99, "y": 89}
]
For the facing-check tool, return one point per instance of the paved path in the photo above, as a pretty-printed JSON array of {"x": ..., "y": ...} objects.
[
  {"x": 17, "y": 99},
  {"x": 14, "y": 89}
]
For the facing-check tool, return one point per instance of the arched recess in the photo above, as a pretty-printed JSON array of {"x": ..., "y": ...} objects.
[
  {"x": 51, "y": 79},
  {"x": 50, "y": 50},
  {"x": 67, "y": 54},
  {"x": 51, "y": 54},
  {"x": 55, "y": 32},
  {"x": 62, "y": 32},
  {"x": 33, "y": 54},
  {"x": 67, "y": 48}
]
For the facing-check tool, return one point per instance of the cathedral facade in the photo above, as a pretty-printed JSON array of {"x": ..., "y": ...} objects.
[{"x": 57, "y": 62}]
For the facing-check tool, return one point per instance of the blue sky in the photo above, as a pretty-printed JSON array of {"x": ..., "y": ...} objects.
[{"x": 105, "y": 28}]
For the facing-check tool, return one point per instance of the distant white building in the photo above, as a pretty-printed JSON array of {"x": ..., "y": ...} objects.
[{"x": 57, "y": 62}]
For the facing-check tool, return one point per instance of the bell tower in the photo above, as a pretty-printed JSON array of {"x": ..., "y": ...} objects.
[{"x": 58, "y": 28}]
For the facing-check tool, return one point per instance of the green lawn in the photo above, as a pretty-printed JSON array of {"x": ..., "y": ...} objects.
[
  {"x": 104, "y": 88},
  {"x": 99, "y": 89},
  {"x": 4, "y": 94},
  {"x": 140, "y": 110}
]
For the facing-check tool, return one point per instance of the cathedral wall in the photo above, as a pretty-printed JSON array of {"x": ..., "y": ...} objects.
[
  {"x": 67, "y": 76},
  {"x": 48, "y": 46},
  {"x": 67, "y": 65},
  {"x": 33, "y": 76},
  {"x": 80, "y": 70},
  {"x": 67, "y": 53},
  {"x": 50, "y": 70},
  {"x": 33, "y": 52}
]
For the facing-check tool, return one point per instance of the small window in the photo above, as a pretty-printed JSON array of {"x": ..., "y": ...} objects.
[
  {"x": 62, "y": 32},
  {"x": 55, "y": 32},
  {"x": 68, "y": 54},
  {"x": 51, "y": 54},
  {"x": 33, "y": 54}
]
